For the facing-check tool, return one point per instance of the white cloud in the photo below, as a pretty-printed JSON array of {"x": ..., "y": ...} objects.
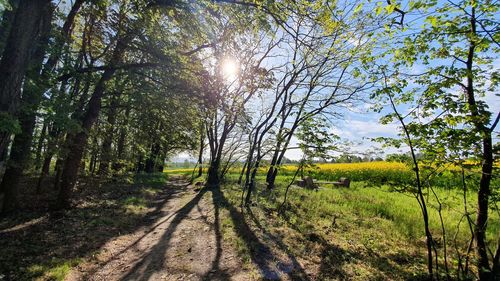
[{"x": 370, "y": 128}]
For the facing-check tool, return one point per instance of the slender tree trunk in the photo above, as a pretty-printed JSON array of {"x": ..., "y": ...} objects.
[
  {"x": 251, "y": 185},
  {"x": 78, "y": 143},
  {"x": 44, "y": 172},
  {"x": 58, "y": 169},
  {"x": 52, "y": 141},
  {"x": 420, "y": 195},
  {"x": 271, "y": 174},
  {"x": 39, "y": 146},
  {"x": 487, "y": 163},
  {"x": 18, "y": 50},
  {"x": 214, "y": 173},
  {"x": 202, "y": 147},
  {"x": 240, "y": 178},
  {"x": 94, "y": 151},
  {"x": 4, "y": 156},
  {"x": 106, "y": 152},
  {"x": 120, "y": 145}
]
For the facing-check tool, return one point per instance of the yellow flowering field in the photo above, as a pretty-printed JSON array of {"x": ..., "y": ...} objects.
[{"x": 379, "y": 171}]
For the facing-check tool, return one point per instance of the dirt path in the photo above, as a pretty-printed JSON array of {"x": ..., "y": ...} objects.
[{"x": 183, "y": 242}]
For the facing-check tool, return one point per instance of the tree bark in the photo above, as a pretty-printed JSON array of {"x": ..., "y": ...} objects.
[
  {"x": 39, "y": 146},
  {"x": 106, "y": 152},
  {"x": 19, "y": 49},
  {"x": 213, "y": 179},
  {"x": 53, "y": 135},
  {"x": 202, "y": 146},
  {"x": 152, "y": 158},
  {"x": 487, "y": 163},
  {"x": 120, "y": 145},
  {"x": 21, "y": 146},
  {"x": 77, "y": 144}
]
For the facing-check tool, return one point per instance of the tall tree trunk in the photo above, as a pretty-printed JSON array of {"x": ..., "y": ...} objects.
[
  {"x": 202, "y": 147},
  {"x": 152, "y": 158},
  {"x": 240, "y": 178},
  {"x": 21, "y": 146},
  {"x": 52, "y": 141},
  {"x": 273, "y": 167},
  {"x": 35, "y": 86},
  {"x": 106, "y": 152},
  {"x": 251, "y": 184},
  {"x": 213, "y": 175},
  {"x": 487, "y": 162},
  {"x": 19, "y": 48},
  {"x": 58, "y": 169},
  {"x": 78, "y": 143},
  {"x": 39, "y": 146},
  {"x": 120, "y": 145},
  {"x": 94, "y": 152},
  {"x": 4, "y": 156}
]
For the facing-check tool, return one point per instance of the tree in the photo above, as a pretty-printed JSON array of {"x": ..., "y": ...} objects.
[
  {"x": 29, "y": 17},
  {"x": 315, "y": 142},
  {"x": 456, "y": 47},
  {"x": 328, "y": 44},
  {"x": 34, "y": 86},
  {"x": 228, "y": 94}
]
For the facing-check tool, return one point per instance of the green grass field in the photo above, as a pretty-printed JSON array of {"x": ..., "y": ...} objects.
[{"x": 379, "y": 227}]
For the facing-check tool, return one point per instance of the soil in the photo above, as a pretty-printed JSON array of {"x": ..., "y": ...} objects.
[{"x": 183, "y": 242}]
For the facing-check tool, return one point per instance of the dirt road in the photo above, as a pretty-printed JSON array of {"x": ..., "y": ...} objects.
[{"x": 183, "y": 242}]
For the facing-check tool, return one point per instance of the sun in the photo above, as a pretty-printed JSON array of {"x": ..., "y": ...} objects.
[{"x": 230, "y": 68}]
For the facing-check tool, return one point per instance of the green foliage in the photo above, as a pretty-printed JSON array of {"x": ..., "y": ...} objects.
[
  {"x": 4, "y": 5},
  {"x": 315, "y": 141},
  {"x": 381, "y": 219},
  {"x": 56, "y": 270},
  {"x": 9, "y": 124}
]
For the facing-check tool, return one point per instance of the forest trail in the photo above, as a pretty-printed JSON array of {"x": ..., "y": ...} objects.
[{"x": 183, "y": 242}]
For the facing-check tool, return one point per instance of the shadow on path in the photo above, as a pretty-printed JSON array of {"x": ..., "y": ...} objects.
[
  {"x": 35, "y": 241},
  {"x": 154, "y": 260},
  {"x": 270, "y": 267}
]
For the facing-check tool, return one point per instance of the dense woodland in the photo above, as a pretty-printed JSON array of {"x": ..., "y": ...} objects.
[{"x": 103, "y": 89}]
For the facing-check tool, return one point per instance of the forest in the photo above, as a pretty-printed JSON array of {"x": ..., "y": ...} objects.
[{"x": 321, "y": 139}]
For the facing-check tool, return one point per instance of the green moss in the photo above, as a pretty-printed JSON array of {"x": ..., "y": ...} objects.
[{"x": 55, "y": 270}]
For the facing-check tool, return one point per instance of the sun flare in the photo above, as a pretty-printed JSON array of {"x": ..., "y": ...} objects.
[{"x": 230, "y": 68}]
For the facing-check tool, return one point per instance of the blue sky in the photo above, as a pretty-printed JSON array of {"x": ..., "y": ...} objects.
[{"x": 359, "y": 124}]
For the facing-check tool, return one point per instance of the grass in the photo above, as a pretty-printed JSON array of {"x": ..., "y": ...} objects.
[
  {"x": 361, "y": 232},
  {"x": 37, "y": 245},
  {"x": 55, "y": 270}
]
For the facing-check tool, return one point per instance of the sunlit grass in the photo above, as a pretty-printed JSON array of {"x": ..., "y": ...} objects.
[
  {"x": 55, "y": 270},
  {"x": 375, "y": 218}
]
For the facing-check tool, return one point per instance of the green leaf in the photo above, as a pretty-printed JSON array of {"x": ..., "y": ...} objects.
[
  {"x": 390, "y": 8},
  {"x": 358, "y": 8}
]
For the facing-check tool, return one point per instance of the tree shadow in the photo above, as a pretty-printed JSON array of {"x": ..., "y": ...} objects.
[
  {"x": 269, "y": 265},
  {"x": 32, "y": 243},
  {"x": 154, "y": 259},
  {"x": 298, "y": 273},
  {"x": 215, "y": 272},
  {"x": 335, "y": 258}
]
